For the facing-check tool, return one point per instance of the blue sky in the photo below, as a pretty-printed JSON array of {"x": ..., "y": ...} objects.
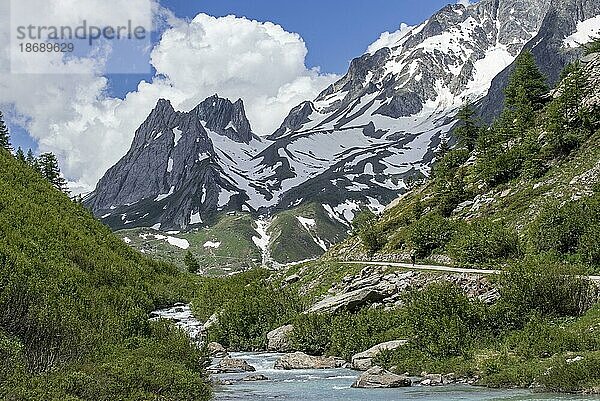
[{"x": 335, "y": 31}]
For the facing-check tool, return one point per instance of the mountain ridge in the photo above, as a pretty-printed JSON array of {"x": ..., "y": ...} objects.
[{"x": 359, "y": 143}]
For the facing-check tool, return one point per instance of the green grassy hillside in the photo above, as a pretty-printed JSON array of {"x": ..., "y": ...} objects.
[
  {"x": 74, "y": 303},
  {"x": 303, "y": 233},
  {"x": 229, "y": 245},
  {"x": 220, "y": 249}
]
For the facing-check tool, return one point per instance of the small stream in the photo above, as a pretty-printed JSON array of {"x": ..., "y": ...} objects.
[{"x": 333, "y": 384}]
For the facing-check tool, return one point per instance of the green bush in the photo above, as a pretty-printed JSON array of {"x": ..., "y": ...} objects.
[
  {"x": 253, "y": 311},
  {"x": 431, "y": 232},
  {"x": 444, "y": 323},
  {"x": 346, "y": 334},
  {"x": 545, "y": 287},
  {"x": 482, "y": 242},
  {"x": 571, "y": 375}
]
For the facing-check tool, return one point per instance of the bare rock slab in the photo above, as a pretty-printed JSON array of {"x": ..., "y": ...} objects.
[{"x": 278, "y": 339}]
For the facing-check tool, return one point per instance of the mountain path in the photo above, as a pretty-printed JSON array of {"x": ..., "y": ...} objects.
[{"x": 439, "y": 268}]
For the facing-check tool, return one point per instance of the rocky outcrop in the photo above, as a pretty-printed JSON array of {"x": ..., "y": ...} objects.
[
  {"x": 300, "y": 360},
  {"x": 297, "y": 117},
  {"x": 225, "y": 118},
  {"x": 377, "y": 377},
  {"x": 174, "y": 176},
  {"x": 364, "y": 360},
  {"x": 216, "y": 350},
  {"x": 278, "y": 339},
  {"x": 350, "y": 301},
  {"x": 230, "y": 365},
  {"x": 375, "y": 286}
]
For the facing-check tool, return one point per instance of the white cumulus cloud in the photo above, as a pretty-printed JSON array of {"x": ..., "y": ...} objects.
[
  {"x": 73, "y": 115},
  {"x": 390, "y": 39}
]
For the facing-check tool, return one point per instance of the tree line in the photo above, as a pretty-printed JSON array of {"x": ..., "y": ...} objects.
[{"x": 46, "y": 163}]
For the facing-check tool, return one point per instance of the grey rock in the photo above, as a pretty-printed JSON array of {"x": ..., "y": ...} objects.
[
  {"x": 230, "y": 365},
  {"x": 348, "y": 301},
  {"x": 278, "y": 339},
  {"x": 292, "y": 279},
  {"x": 299, "y": 360},
  {"x": 364, "y": 360},
  {"x": 255, "y": 378},
  {"x": 216, "y": 350},
  {"x": 377, "y": 377}
]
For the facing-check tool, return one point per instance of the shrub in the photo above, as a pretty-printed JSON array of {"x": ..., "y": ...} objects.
[
  {"x": 545, "y": 287},
  {"x": 247, "y": 317},
  {"x": 346, "y": 334},
  {"x": 429, "y": 233},
  {"x": 484, "y": 241},
  {"x": 444, "y": 323}
]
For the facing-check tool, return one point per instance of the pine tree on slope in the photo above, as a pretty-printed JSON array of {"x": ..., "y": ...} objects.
[
  {"x": 4, "y": 135},
  {"x": 48, "y": 165}
]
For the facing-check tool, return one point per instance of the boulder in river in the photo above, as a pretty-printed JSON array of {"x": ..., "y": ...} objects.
[
  {"x": 364, "y": 360},
  {"x": 216, "y": 350},
  {"x": 230, "y": 365},
  {"x": 255, "y": 378},
  {"x": 278, "y": 339},
  {"x": 377, "y": 377},
  {"x": 299, "y": 360}
]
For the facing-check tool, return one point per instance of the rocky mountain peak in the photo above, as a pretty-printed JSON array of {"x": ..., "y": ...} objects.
[{"x": 225, "y": 118}]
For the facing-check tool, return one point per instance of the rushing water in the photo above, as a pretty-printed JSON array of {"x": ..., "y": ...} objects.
[{"x": 334, "y": 385}]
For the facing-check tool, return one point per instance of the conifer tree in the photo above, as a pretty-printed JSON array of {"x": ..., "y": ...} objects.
[
  {"x": 467, "y": 130},
  {"x": 4, "y": 135},
  {"x": 525, "y": 88},
  {"x": 48, "y": 166},
  {"x": 191, "y": 263},
  {"x": 20, "y": 156},
  {"x": 31, "y": 160},
  {"x": 566, "y": 121}
]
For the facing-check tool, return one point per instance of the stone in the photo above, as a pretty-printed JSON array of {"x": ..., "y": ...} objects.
[
  {"x": 432, "y": 380},
  {"x": 292, "y": 279},
  {"x": 377, "y": 377},
  {"x": 364, "y": 360},
  {"x": 216, "y": 350},
  {"x": 230, "y": 365},
  {"x": 255, "y": 378},
  {"x": 278, "y": 339},
  {"x": 348, "y": 301},
  {"x": 212, "y": 320},
  {"x": 299, "y": 360}
]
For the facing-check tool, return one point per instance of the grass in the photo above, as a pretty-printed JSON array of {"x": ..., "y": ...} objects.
[{"x": 236, "y": 252}]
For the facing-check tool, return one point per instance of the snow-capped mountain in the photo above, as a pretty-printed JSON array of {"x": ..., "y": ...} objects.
[
  {"x": 359, "y": 142},
  {"x": 182, "y": 168},
  {"x": 381, "y": 123}
]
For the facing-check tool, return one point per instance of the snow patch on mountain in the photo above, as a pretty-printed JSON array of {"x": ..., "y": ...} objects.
[
  {"x": 164, "y": 196},
  {"x": 263, "y": 239},
  {"x": 586, "y": 31}
]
